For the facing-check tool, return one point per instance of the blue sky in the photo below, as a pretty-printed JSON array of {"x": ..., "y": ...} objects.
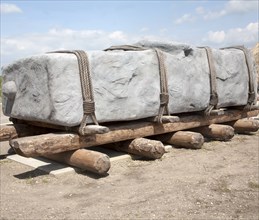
[{"x": 32, "y": 27}]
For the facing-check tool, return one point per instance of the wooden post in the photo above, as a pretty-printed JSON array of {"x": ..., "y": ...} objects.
[
  {"x": 142, "y": 147},
  {"x": 84, "y": 159},
  {"x": 244, "y": 126},
  {"x": 60, "y": 142},
  {"x": 8, "y": 132},
  {"x": 217, "y": 132},
  {"x": 186, "y": 139}
]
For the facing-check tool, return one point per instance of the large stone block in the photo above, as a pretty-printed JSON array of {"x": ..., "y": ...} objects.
[{"x": 126, "y": 83}]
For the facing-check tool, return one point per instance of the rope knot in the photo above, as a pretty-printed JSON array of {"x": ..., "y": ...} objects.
[
  {"x": 88, "y": 107},
  {"x": 164, "y": 98}
]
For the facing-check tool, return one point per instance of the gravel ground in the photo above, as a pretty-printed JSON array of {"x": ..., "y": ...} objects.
[{"x": 219, "y": 181}]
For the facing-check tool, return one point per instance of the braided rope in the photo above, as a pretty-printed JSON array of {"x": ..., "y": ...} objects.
[
  {"x": 164, "y": 96},
  {"x": 213, "y": 82},
  {"x": 251, "y": 92},
  {"x": 86, "y": 86}
]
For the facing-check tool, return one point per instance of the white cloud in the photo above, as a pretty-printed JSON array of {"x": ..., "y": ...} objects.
[
  {"x": 217, "y": 36},
  {"x": 200, "y": 10},
  {"x": 231, "y": 7},
  {"x": 16, "y": 47},
  {"x": 241, "y": 6},
  {"x": 118, "y": 36},
  {"x": 247, "y": 36},
  {"x": 6, "y": 8},
  {"x": 55, "y": 39},
  {"x": 185, "y": 18},
  {"x": 144, "y": 29}
]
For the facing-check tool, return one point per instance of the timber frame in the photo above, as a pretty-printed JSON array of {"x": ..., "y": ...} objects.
[{"x": 31, "y": 139}]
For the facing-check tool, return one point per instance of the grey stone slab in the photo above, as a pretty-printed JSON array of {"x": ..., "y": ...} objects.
[{"x": 126, "y": 83}]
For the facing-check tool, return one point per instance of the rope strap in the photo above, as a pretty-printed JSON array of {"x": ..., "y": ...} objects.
[
  {"x": 213, "y": 82},
  {"x": 86, "y": 86},
  {"x": 164, "y": 96},
  {"x": 251, "y": 92}
]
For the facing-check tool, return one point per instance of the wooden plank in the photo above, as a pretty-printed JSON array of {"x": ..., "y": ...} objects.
[{"x": 60, "y": 142}]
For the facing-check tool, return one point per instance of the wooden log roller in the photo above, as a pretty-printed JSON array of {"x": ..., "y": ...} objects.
[
  {"x": 244, "y": 126},
  {"x": 217, "y": 132},
  {"x": 89, "y": 160},
  {"x": 143, "y": 147},
  {"x": 185, "y": 139}
]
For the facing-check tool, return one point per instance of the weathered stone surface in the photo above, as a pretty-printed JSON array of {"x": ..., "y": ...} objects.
[{"x": 126, "y": 83}]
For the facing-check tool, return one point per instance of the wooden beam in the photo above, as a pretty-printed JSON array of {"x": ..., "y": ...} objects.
[
  {"x": 217, "y": 132},
  {"x": 59, "y": 142},
  {"x": 11, "y": 131},
  {"x": 89, "y": 160}
]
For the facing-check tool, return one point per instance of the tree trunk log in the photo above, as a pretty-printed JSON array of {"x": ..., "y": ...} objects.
[
  {"x": 244, "y": 126},
  {"x": 186, "y": 139},
  {"x": 142, "y": 147},
  {"x": 8, "y": 132},
  {"x": 60, "y": 142},
  {"x": 217, "y": 132},
  {"x": 84, "y": 159}
]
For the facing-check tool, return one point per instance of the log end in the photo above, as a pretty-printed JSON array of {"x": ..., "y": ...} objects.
[
  {"x": 147, "y": 148},
  {"x": 102, "y": 165},
  {"x": 15, "y": 146},
  {"x": 197, "y": 141},
  {"x": 227, "y": 134}
]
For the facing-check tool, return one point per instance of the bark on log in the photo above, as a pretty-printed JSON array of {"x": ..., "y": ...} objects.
[
  {"x": 60, "y": 142},
  {"x": 84, "y": 159},
  {"x": 142, "y": 147},
  {"x": 186, "y": 139},
  {"x": 217, "y": 132},
  {"x": 8, "y": 132},
  {"x": 244, "y": 126}
]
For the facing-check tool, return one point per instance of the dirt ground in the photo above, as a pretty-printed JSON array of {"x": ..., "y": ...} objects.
[{"x": 220, "y": 181}]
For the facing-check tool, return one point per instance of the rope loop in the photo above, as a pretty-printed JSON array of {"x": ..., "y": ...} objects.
[
  {"x": 213, "y": 82},
  {"x": 251, "y": 90},
  {"x": 86, "y": 86},
  {"x": 164, "y": 98}
]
